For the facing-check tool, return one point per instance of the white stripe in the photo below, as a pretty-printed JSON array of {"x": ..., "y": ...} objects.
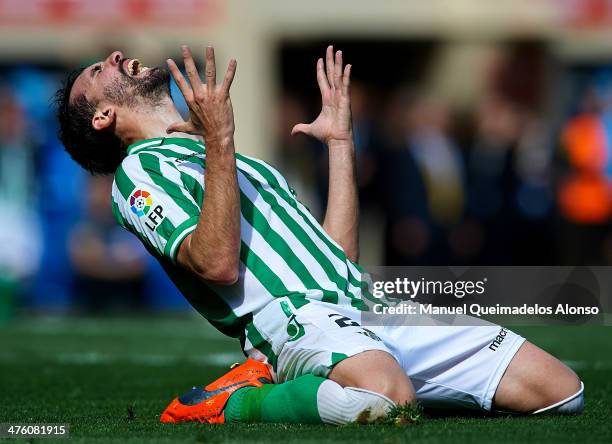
[
  {"x": 144, "y": 145},
  {"x": 180, "y": 238}
]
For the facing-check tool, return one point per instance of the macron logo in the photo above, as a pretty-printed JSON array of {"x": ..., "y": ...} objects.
[{"x": 498, "y": 339}]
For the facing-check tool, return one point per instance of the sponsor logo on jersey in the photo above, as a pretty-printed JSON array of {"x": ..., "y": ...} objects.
[
  {"x": 141, "y": 204},
  {"x": 188, "y": 158}
]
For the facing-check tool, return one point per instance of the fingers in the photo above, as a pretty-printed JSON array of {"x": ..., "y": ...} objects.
[
  {"x": 194, "y": 77},
  {"x": 211, "y": 69},
  {"x": 321, "y": 79},
  {"x": 333, "y": 77},
  {"x": 180, "y": 80},
  {"x": 301, "y": 128},
  {"x": 182, "y": 127},
  {"x": 229, "y": 77},
  {"x": 338, "y": 71},
  {"x": 329, "y": 64},
  {"x": 192, "y": 71},
  {"x": 346, "y": 80}
]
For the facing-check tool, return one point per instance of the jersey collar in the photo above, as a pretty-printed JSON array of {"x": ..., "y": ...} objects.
[{"x": 158, "y": 141}]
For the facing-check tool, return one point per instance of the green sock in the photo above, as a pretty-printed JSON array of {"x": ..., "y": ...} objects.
[{"x": 290, "y": 402}]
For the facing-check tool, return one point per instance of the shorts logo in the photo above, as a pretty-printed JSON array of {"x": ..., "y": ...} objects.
[
  {"x": 498, "y": 339},
  {"x": 141, "y": 203}
]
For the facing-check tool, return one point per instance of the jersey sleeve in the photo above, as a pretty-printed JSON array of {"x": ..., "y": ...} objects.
[{"x": 151, "y": 200}]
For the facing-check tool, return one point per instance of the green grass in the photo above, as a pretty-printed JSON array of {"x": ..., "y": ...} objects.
[{"x": 110, "y": 379}]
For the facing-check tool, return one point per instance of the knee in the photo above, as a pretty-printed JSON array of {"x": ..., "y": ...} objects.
[
  {"x": 396, "y": 387},
  {"x": 535, "y": 381},
  {"x": 344, "y": 405},
  {"x": 378, "y": 372},
  {"x": 566, "y": 397},
  {"x": 571, "y": 405},
  {"x": 564, "y": 384}
]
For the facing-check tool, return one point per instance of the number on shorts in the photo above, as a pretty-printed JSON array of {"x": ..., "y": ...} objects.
[{"x": 343, "y": 321}]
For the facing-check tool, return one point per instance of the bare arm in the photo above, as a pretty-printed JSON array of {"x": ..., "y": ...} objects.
[
  {"x": 333, "y": 127},
  {"x": 342, "y": 214},
  {"x": 212, "y": 250}
]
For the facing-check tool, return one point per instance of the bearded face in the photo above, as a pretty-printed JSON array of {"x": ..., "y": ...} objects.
[{"x": 136, "y": 85}]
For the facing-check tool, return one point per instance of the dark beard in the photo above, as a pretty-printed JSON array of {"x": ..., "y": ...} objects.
[{"x": 128, "y": 91}]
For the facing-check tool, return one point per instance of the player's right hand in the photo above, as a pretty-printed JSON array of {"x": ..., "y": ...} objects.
[{"x": 210, "y": 108}]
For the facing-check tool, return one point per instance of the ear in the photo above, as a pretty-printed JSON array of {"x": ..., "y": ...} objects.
[{"x": 103, "y": 118}]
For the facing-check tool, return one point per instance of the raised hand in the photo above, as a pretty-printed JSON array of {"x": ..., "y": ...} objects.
[
  {"x": 334, "y": 122},
  {"x": 210, "y": 109}
]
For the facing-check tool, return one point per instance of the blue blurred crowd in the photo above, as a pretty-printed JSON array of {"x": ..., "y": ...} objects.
[{"x": 60, "y": 249}]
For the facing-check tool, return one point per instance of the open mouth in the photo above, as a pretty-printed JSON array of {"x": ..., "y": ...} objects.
[{"x": 134, "y": 67}]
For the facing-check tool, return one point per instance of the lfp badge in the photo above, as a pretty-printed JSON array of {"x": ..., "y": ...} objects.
[{"x": 140, "y": 202}]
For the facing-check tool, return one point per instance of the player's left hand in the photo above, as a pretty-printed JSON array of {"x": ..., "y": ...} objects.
[{"x": 334, "y": 122}]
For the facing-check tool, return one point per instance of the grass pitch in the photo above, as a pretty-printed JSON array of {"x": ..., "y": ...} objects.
[{"x": 111, "y": 378}]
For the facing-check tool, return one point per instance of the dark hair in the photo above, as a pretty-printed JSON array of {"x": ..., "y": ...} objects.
[{"x": 99, "y": 152}]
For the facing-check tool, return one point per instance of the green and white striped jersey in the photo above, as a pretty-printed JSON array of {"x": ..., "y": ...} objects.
[{"x": 157, "y": 195}]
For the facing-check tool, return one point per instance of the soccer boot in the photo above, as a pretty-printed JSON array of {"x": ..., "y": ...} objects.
[{"x": 207, "y": 404}]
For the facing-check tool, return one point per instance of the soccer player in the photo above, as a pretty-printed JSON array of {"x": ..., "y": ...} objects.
[{"x": 232, "y": 235}]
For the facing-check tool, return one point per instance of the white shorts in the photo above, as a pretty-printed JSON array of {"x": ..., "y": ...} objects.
[{"x": 449, "y": 366}]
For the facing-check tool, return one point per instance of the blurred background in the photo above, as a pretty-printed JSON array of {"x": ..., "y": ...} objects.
[{"x": 483, "y": 131}]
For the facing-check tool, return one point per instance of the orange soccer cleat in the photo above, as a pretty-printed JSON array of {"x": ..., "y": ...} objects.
[{"x": 207, "y": 404}]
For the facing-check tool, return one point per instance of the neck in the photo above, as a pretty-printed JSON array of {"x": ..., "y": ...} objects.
[{"x": 149, "y": 123}]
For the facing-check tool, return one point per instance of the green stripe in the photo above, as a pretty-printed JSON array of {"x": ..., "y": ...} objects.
[
  {"x": 117, "y": 213},
  {"x": 150, "y": 164},
  {"x": 278, "y": 244},
  {"x": 261, "y": 344},
  {"x": 205, "y": 299},
  {"x": 124, "y": 183},
  {"x": 171, "y": 154},
  {"x": 195, "y": 188},
  {"x": 178, "y": 236},
  {"x": 264, "y": 274},
  {"x": 298, "y": 302}
]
